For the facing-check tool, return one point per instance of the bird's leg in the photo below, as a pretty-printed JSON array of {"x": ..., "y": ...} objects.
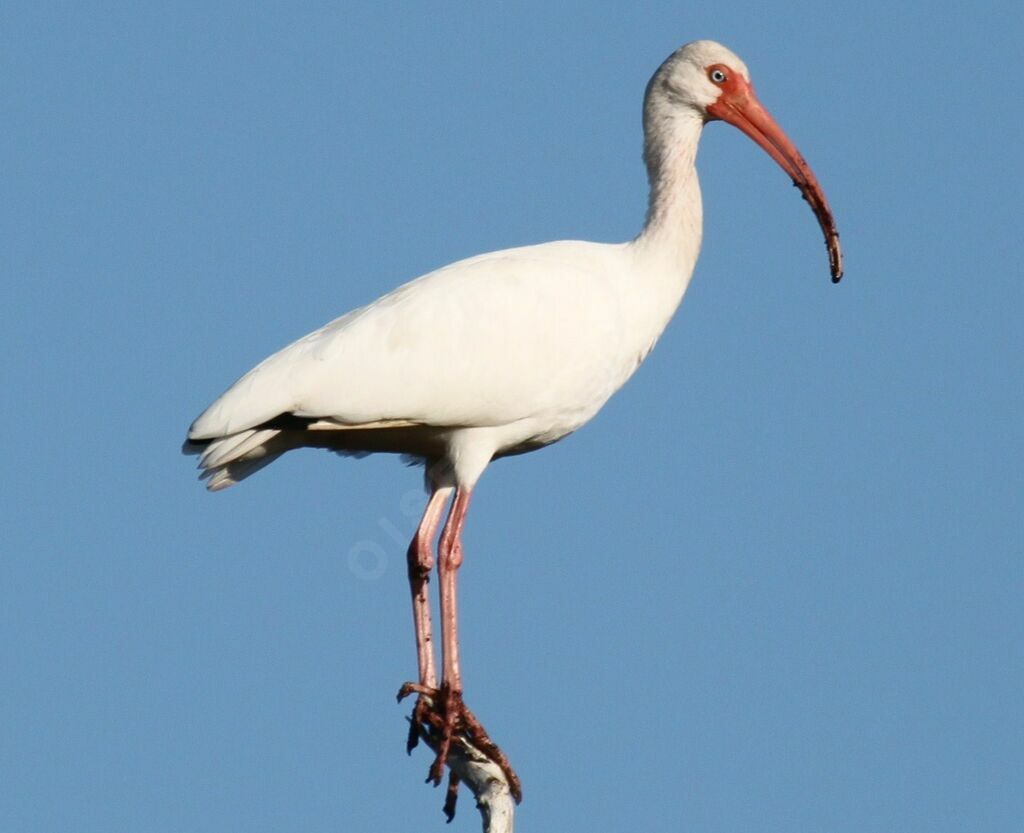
[
  {"x": 441, "y": 711},
  {"x": 455, "y": 717},
  {"x": 448, "y": 562},
  {"x": 420, "y": 560}
]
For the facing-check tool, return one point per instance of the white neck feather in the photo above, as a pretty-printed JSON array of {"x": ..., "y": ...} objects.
[{"x": 669, "y": 243}]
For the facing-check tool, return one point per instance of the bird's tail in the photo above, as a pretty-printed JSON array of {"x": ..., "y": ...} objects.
[{"x": 226, "y": 460}]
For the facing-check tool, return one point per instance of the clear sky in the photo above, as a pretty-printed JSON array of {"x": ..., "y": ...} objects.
[{"x": 775, "y": 586}]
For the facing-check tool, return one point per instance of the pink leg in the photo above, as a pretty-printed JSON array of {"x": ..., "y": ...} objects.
[
  {"x": 447, "y": 714},
  {"x": 449, "y": 561},
  {"x": 420, "y": 561},
  {"x": 456, "y": 717}
]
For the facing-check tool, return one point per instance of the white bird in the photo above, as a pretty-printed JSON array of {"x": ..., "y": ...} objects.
[{"x": 498, "y": 354}]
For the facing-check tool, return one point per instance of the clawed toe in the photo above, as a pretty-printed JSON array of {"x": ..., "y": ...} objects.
[
  {"x": 451, "y": 796},
  {"x": 415, "y": 688},
  {"x": 422, "y": 712},
  {"x": 442, "y": 715}
]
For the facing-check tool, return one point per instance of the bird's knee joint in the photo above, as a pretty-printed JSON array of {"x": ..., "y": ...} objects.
[
  {"x": 451, "y": 558},
  {"x": 420, "y": 561}
]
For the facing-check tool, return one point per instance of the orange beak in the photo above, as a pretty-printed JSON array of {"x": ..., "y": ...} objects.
[{"x": 739, "y": 106}]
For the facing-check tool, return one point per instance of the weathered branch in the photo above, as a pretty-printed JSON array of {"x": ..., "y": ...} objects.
[{"x": 484, "y": 778}]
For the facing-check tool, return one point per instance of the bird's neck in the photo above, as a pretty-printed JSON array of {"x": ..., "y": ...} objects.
[
  {"x": 665, "y": 252},
  {"x": 670, "y": 240}
]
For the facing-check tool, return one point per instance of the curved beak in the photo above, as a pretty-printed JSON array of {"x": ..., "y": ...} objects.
[{"x": 738, "y": 106}]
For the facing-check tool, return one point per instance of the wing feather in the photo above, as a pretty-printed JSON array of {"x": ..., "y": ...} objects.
[{"x": 481, "y": 342}]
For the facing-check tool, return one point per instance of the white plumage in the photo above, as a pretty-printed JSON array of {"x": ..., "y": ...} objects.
[
  {"x": 510, "y": 349},
  {"x": 496, "y": 355},
  {"x": 505, "y": 351}
]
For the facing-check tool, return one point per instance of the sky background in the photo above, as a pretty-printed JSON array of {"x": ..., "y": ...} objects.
[{"x": 775, "y": 585}]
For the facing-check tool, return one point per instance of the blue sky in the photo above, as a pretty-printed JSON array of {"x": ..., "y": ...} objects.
[{"x": 774, "y": 586}]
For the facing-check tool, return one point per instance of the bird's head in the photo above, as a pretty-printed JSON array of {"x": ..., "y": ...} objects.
[{"x": 705, "y": 80}]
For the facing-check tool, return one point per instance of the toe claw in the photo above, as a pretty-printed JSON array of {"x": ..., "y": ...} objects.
[
  {"x": 451, "y": 796},
  {"x": 412, "y": 741},
  {"x": 436, "y": 772}
]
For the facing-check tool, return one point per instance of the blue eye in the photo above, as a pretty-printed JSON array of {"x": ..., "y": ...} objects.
[{"x": 717, "y": 76}]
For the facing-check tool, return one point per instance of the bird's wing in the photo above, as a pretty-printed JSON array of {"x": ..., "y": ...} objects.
[{"x": 485, "y": 341}]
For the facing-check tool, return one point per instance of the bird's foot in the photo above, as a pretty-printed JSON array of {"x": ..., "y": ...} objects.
[
  {"x": 442, "y": 713},
  {"x": 421, "y": 712}
]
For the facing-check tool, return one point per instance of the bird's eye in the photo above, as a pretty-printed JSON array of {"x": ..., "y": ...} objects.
[{"x": 717, "y": 75}]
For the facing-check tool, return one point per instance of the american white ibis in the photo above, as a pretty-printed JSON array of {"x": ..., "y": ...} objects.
[{"x": 496, "y": 355}]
